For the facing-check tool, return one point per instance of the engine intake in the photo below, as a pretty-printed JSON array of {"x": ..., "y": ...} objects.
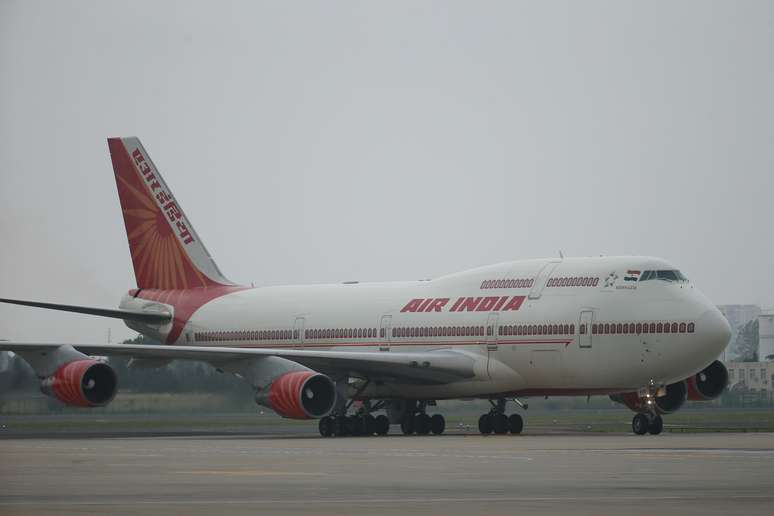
[
  {"x": 300, "y": 395},
  {"x": 82, "y": 383},
  {"x": 676, "y": 394},
  {"x": 709, "y": 383}
]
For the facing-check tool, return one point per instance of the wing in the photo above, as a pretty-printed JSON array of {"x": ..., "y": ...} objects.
[{"x": 424, "y": 367}]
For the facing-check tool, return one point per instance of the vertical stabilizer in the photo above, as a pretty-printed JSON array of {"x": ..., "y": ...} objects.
[{"x": 167, "y": 254}]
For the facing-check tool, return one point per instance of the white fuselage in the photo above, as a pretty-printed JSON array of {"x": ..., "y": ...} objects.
[{"x": 535, "y": 327}]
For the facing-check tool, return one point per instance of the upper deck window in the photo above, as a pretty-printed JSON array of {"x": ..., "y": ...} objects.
[{"x": 665, "y": 275}]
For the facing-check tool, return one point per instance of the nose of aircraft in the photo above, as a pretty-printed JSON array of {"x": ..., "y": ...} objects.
[{"x": 715, "y": 332}]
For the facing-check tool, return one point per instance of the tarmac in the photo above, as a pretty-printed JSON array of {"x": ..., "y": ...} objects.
[{"x": 459, "y": 474}]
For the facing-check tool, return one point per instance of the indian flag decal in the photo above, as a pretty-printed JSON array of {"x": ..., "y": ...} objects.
[{"x": 632, "y": 275}]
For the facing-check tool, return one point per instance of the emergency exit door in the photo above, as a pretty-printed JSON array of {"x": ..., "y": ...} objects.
[{"x": 584, "y": 328}]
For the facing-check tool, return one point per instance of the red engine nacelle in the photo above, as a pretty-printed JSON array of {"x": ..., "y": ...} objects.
[
  {"x": 709, "y": 383},
  {"x": 82, "y": 383},
  {"x": 300, "y": 395},
  {"x": 675, "y": 396}
]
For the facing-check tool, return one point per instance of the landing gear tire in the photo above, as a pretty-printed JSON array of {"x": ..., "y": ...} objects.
[
  {"x": 500, "y": 424},
  {"x": 369, "y": 424},
  {"x": 422, "y": 424},
  {"x": 515, "y": 424},
  {"x": 340, "y": 426},
  {"x": 656, "y": 425},
  {"x": 382, "y": 425},
  {"x": 325, "y": 426},
  {"x": 485, "y": 424},
  {"x": 640, "y": 424},
  {"x": 356, "y": 426},
  {"x": 437, "y": 424},
  {"x": 407, "y": 425}
]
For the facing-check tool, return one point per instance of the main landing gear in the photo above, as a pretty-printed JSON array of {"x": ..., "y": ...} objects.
[
  {"x": 413, "y": 420},
  {"x": 354, "y": 425},
  {"x": 416, "y": 420},
  {"x": 495, "y": 421},
  {"x": 647, "y": 424}
]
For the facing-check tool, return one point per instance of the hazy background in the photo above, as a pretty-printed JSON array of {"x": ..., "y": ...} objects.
[{"x": 331, "y": 141}]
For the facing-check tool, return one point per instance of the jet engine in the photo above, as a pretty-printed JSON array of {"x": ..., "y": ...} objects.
[
  {"x": 301, "y": 394},
  {"x": 709, "y": 383},
  {"x": 673, "y": 399},
  {"x": 82, "y": 383}
]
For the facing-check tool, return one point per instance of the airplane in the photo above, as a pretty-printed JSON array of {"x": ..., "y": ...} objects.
[{"x": 630, "y": 327}]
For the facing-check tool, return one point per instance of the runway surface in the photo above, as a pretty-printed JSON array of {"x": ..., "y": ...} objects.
[{"x": 451, "y": 475}]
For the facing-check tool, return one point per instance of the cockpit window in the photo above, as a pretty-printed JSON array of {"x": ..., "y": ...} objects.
[{"x": 666, "y": 275}]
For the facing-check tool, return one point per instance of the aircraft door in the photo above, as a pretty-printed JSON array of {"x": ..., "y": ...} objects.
[
  {"x": 385, "y": 333},
  {"x": 491, "y": 332},
  {"x": 542, "y": 279},
  {"x": 490, "y": 342},
  {"x": 584, "y": 328},
  {"x": 298, "y": 333}
]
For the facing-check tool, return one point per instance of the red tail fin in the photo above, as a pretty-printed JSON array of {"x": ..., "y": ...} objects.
[{"x": 166, "y": 251}]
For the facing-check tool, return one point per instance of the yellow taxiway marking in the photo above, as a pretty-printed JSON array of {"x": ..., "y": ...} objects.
[{"x": 246, "y": 472}]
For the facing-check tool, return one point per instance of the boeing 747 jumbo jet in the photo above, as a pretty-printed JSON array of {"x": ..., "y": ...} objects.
[{"x": 633, "y": 328}]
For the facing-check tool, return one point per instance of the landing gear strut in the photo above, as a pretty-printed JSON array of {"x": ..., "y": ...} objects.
[{"x": 495, "y": 421}]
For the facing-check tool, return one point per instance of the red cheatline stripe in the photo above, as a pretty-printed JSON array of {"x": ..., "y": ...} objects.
[{"x": 381, "y": 343}]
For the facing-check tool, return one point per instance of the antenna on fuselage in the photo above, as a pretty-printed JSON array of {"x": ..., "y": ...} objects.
[{"x": 561, "y": 254}]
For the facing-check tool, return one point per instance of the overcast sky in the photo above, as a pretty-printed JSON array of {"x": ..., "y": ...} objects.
[{"x": 326, "y": 141}]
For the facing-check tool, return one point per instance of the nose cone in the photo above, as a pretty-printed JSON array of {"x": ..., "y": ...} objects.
[{"x": 715, "y": 332}]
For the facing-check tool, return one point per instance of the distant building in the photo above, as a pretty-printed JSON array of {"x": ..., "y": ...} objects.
[
  {"x": 766, "y": 336},
  {"x": 751, "y": 376},
  {"x": 737, "y": 316}
]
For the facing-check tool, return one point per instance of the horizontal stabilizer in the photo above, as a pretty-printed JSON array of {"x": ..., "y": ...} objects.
[{"x": 116, "y": 313}]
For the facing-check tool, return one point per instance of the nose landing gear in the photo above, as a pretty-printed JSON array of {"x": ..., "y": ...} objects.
[{"x": 647, "y": 423}]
